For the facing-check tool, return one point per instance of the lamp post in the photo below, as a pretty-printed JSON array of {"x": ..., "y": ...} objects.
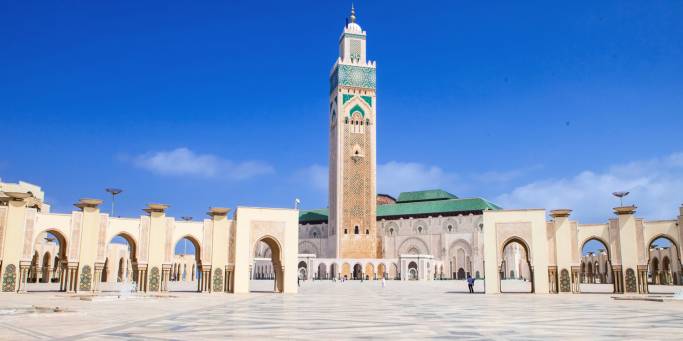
[
  {"x": 621, "y": 196},
  {"x": 185, "y": 218},
  {"x": 114, "y": 192}
]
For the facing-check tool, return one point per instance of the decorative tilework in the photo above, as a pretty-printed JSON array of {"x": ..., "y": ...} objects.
[
  {"x": 355, "y": 49},
  {"x": 356, "y": 108},
  {"x": 9, "y": 279},
  {"x": 367, "y": 100},
  {"x": 631, "y": 281},
  {"x": 154, "y": 279},
  {"x": 346, "y": 98},
  {"x": 86, "y": 278},
  {"x": 565, "y": 285},
  {"x": 217, "y": 280},
  {"x": 355, "y": 76}
]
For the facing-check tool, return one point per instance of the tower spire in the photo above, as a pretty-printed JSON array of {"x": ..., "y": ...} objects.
[{"x": 352, "y": 18}]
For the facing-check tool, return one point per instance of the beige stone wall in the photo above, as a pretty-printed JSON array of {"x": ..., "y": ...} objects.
[{"x": 86, "y": 258}]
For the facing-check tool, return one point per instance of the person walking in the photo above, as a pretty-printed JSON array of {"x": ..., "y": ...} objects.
[
  {"x": 470, "y": 283},
  {"x": 384, "y": 282}
]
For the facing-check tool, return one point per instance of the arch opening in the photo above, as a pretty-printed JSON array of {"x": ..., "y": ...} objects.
[
  {"x": 596, "y": 274},
  {"x": 120, "y": 271},
  {"x": 267, "y": 267},
  {"x": 48, "y": 264},
  {"x": 516, "y": 273},
  {"x": 186, "y": 268},
  {"x": 664, "y": 265}
]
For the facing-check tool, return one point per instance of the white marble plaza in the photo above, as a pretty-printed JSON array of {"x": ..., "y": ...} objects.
[{"x": 326, "y": 310}]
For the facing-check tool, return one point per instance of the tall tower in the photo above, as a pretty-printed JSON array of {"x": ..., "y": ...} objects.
[{"x": 353, "y": 207}]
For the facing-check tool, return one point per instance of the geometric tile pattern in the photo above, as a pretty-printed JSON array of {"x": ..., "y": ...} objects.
[{"x": 322, "y": 311}]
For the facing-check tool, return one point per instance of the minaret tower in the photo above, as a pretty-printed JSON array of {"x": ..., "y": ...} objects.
[{"x": 353, "y": 207}]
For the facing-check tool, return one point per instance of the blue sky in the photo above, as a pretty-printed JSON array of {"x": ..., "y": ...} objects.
[{"x": 224, "y": 103}]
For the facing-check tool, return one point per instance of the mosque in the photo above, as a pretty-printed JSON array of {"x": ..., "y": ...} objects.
[
  {"x": 433, "y": 234},
  {"x": 421, "y": 235}
]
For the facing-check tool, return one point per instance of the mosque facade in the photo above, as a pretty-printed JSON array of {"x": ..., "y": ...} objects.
[
  {"x": 420, "y": 235},
  {"x": 435, "y": 235}
]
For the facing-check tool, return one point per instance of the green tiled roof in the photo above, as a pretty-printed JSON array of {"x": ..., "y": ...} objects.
[
  {"x": 432, "y": 194},
  {"x": 312, "y": 216},
  {"x": 433, "y": 207}
]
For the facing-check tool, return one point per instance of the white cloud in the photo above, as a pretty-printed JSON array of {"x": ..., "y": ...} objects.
[
  {"x": 504, "y": 176},
  {"x": 394, "y": 177},
  {"x": 315, "y": 175},
  {"x": 183, "y": 161},
  {"x": 656, "y": 187}
]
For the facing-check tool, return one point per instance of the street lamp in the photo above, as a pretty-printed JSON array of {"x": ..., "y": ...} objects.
[
  {"x": 113, "y": 192},
  {"x": 621, "y": 196}
]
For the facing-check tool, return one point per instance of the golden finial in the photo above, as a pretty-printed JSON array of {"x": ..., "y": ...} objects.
[{"x": 352, "y": 18}]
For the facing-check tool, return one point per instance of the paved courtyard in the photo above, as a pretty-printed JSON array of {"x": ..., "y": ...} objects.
[{"x": 325, "y": 310}]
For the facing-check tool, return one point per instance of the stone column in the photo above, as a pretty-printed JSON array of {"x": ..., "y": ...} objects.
[
  {"x": 628, "y": 242},
  {"x": 642, "y": 279},
  {"x": 61, "y": 272},
  {"x": 97, "y": 278},
  {"x": 220, "y": 243},
  {"x": 576, "y": 270},
  {"x": 617, "y": 270},
  {"x": 166, "y": 278},
  {"x": 13, "y": 226},
  {"x": 72, "y": 277},
  {"x": 24, "y": 267}
]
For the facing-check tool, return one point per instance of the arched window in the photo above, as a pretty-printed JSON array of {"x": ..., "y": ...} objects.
[
  {"x": 391, "y": 231},
  {"x": 346, "y": 231},
  {"x": 450, "y": 228},
  {"x": 419, "y": 229},
  {"x": 356, "y": 230},
  {"x": 367, "y": 231}
]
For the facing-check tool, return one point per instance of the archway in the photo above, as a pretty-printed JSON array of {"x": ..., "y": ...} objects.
[
  {"x": 357, "y": 271},
  {"x": 334, "y": 271},
  {"x": 370, "y": 271},
  {"x": 120, "y": 270},
  {"x": 322, "y": 271},
  {"x": 393, "y": 271},
  {"x": 186, "y": 269},
  {"x": 381, "y": 271},
  {"x": 48, "y": 265},
  {"x": 664, "y": 265},
  {"x": 596, "y": 274},
  {"x": 268, "y": 252},
  {"x": 461, "y": 273},
  {"x": 515, "y": 263},
  {"x": 346, "y": 271},
  {"x": 412, "y": 271},
  {"x": 303, "y": 273}
]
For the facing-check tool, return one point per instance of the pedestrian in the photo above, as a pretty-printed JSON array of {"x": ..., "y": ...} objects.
[
  {"x": 384, "y": 282},
  {"x": 470, "y": 283}
]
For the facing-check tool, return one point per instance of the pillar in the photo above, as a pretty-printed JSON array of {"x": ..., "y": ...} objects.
[
  {"x": 13, "y": 226},
  {"x": 97, "y": 278},
  {"x": 564, "y": 252},
  {"x": 72, "y": 277},
  {"x": 24, "y": 267},
  {"x": 85, "y": 276},
  {"x": 220, "y": 241},
  {"x": 630, "y": 249},
  {"x": 165, "y": 276},
  {"x": 156, "y": 246}
]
